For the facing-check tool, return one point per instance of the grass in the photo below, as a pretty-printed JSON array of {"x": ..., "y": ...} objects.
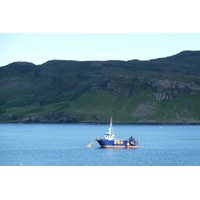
[{"x": 68, "y": 87}]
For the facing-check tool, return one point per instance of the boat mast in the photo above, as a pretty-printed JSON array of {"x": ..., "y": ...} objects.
[
  {"x": 111, "y": 131},
  {"x": 110, "y": 134}
]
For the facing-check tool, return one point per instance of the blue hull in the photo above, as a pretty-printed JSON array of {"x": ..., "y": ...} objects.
[{"x": 105, "y": 143}]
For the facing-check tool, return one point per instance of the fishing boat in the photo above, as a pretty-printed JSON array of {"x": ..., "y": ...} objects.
[{"x": 109, "y": 141}]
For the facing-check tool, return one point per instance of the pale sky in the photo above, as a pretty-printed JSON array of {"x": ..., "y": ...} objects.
[
  {"x": 41, "y": 47},
  {"x": 38, "y": 31}
]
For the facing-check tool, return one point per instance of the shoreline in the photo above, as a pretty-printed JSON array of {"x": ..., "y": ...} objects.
[{"x": 100, "y": 123}]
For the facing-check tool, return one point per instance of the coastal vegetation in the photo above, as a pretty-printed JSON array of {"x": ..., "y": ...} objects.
[{"x": 164, "y": 90}]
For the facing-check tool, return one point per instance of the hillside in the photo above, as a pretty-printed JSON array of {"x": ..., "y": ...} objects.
[{"x": 163, "y": 90}]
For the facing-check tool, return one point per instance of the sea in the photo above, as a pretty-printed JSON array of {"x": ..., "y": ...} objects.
[{"x": 65, "y": 145}]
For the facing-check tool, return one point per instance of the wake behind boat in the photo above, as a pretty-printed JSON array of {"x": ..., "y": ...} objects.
[{"x": 109, "y": 141}]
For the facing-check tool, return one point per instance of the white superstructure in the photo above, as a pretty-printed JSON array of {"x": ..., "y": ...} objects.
[{"x": 110, "y": 134}]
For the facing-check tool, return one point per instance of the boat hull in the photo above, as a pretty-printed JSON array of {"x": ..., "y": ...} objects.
[{"x": 105, "y": 143}]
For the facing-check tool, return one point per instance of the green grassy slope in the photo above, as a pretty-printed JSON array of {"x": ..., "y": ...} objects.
[{"x": 165, "y": 90}]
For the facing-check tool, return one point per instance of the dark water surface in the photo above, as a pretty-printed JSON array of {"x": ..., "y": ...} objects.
[{"x": 65, "y": 145}]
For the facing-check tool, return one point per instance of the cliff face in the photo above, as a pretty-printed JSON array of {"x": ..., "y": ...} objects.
[
  {"x": 165, "y": 90},
  {"x": 169, "y": 90}
]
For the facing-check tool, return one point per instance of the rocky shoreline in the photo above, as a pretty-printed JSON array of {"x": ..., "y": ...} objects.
[{"x": 100, "y": 123}]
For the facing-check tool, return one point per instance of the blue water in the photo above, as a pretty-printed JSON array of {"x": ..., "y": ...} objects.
[{"x": 65, "y": 145}]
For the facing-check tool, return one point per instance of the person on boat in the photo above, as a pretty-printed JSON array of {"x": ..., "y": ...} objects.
[{"x": 131, "y": 138}]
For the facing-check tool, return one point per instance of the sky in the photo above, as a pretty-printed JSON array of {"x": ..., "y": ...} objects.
[
  {"x": 41, "y": 47},
  {"x": 38, "y": 31}
]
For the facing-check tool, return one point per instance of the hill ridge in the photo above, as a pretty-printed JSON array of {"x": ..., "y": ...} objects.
[{"x": 163, "y": 90}]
